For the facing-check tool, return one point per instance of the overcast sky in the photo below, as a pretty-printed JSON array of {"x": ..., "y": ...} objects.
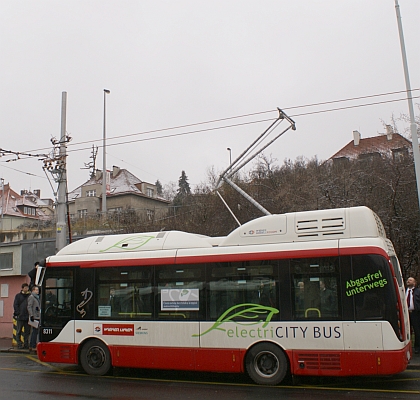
[{"x": 175, "y": 63}]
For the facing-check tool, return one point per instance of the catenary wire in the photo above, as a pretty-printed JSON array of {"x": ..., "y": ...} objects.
[
  {"x": 236, "y": 117},
  {"x": 239, "y": 124}
]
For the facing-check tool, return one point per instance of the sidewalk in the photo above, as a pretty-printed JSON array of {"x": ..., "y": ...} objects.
[{"x": 6, "y": 347}]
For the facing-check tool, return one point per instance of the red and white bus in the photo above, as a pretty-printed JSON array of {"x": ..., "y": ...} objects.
[{"x": 305, "y": 293}]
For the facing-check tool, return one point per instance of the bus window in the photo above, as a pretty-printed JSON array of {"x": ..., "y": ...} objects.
[
  {"x": 372, "y": 289},
  {"x": 397, "y": 271},
  {"x": 180, "y": 293},
  {"x": 315, "y": 288},
  {"x": 125, "y": 293},
  {"x": 234, "y": 284},
  {"x": 57, "y": 300}
]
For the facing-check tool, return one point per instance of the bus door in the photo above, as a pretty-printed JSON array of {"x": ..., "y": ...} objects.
[
  {"x": 57, "y": 305},
  {"x": 84, "y": 297}
]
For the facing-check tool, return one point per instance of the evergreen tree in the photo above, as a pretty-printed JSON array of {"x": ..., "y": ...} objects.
[
  {"x": 183, "y": 190},
  {"x": 159, "y": 188},
  {"x": 183, "y": 185}
]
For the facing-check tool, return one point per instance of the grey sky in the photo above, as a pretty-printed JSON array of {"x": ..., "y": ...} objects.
[{"x": 171, "y": 63}]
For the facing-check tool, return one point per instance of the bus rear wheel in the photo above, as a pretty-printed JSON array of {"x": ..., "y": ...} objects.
[
  {"x": 266, "y": 364},
  {"x": 95, "y": 358}
]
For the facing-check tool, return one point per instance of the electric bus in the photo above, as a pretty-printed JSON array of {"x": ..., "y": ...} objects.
[{"x": 315, "y": 293}]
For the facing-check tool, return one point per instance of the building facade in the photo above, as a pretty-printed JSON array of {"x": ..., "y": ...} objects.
[
  {"x": 124, "y": 191},
  {"x": 22, "y": 210},
  {"x": 16, "y": 260}
]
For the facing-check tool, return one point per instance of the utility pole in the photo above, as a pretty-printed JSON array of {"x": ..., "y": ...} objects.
[
  {"x": 55, "y": 164},
  {"x": 2, "y": 203},
  {"x": 413, "y": 125},
  {"x": 61, "y": 224}
]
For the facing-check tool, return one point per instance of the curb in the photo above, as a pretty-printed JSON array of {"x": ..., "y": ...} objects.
[{"x": 16, "y": 351}]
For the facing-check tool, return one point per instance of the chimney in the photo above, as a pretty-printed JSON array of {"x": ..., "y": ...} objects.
[
  {"x": 115, "y": 171},
  {"x": 389, "y": 132},
  {"x": 98, "y": 174},
  {"x": 356, "y": 136},
  {"x": 37, "y": 193}
]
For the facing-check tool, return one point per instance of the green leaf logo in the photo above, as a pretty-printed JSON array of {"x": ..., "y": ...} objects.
[
  {"x": 129, "y": 244},
  {"x": 247, "y": 311}
]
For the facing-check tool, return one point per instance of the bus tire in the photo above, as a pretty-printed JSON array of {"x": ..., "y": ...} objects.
[
  {"x": 95, "y": 357},
  {"x": 266, "y": 364}
]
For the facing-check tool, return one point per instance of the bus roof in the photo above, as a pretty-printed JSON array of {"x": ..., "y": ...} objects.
[{"x": 341, "y": 223}]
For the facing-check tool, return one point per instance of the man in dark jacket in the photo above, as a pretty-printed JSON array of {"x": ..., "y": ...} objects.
[
  {"x": 413, "y": 302},
  {"x": 32, "y": 275},
  {"x": 20, "y": 307}
]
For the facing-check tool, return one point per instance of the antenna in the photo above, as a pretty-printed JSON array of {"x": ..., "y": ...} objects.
[
  {"x": 258, "y": 146},
  {"x": 92, "y": 164}
]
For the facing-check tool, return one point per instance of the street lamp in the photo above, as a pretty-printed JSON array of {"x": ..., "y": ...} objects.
[
  {"x": 230, "y": 155},
  {"x": 106, "y": 91}
]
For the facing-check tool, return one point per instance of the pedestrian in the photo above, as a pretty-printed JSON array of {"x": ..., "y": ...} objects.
[
  {"x": 413, "y": 303},
  {"x": 34, "y": 311},
  {"x": 20, "y": 314},
  {"x": 32, "y": 275}
]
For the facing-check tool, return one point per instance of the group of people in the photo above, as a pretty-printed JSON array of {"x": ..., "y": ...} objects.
[
  {"x": 413, "y": 302},
  {"x": 27, "y": 313}
]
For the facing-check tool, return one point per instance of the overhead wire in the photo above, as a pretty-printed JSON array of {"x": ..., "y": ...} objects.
[
  {"x": 23, "y": 172},
  {"x": 235, "y": 125},
  {"x": 69, "y": 145}
]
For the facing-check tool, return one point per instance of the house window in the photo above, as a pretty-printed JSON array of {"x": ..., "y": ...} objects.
[
  {"x": 370, "y": 156},
  {"x": 115, "y": 210},
  {"x": 150, "y": 192},
  {"x": 6, "y": 261},
  {"x": 82, "y": 213},
  {"x": 29, "y": 211},
  {"x": 399, "y": 154},
  {"x": 150, "y": 214},
  {"x": 91, "y": 193}
]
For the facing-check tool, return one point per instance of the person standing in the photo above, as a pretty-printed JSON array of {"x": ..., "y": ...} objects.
[
  {"x": 114, "y": 302},
  {"x": 328, "y": 304},
  {"x": 20, "y": 313},
  {"x": 32, "y": 275},
  {"x": 413, "y": 303},
  {"x": 34, "y": 311}
]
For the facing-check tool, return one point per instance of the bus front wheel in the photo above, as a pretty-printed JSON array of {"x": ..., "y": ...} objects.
[
  {"x": 95, "y": 358},
  {"x": 266, "y": 364}
]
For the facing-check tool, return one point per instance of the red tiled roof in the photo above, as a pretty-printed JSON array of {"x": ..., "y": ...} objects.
[
  {"x": 377, "y": 144},
  {"x": 12, "y": 201}
]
